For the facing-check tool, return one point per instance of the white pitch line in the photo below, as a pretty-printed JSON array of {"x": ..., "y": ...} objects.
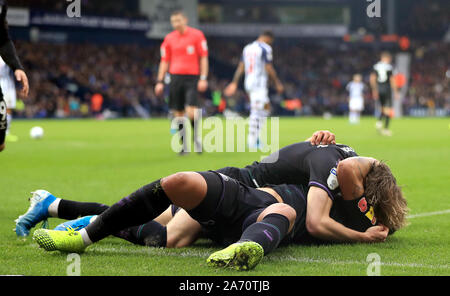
[
  {"x": 429, "y": 214},
  {"x": 204, "y": 254}
]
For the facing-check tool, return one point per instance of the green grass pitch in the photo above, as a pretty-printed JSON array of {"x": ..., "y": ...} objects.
[{"x": 103, "y": 161}]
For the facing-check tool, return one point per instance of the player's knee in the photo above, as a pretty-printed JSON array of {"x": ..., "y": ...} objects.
[
  {"x": 281, "y": 209},
  {"x": 2, "y": 147},
  {"x": 176, "y": 181},
  {"x": 176, "y": 240}
]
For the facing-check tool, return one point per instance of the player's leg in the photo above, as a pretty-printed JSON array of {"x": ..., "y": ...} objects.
[
  {"x": 153, "y": 233},
  {"x": 187, "y": 190},
  {"x": 43, "y": 205},
  {"x": 182, "y": 230},
  {"x": 387, "y": 112},
  {"x": 258, "y": 116},
  {"x": 177, "y": 107},
  {"x": 381, "y": 117},
  {"x": 192, "y": 109},
  {"x": 263, "y": 232}
]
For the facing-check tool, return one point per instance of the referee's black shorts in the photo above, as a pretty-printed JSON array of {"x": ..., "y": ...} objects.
[
  {"x": 183, "y": 91},
  {"x": 3, "y": 122}
]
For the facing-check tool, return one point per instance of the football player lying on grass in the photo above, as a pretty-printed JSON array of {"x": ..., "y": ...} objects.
[
  {"x": 257, "y": 220},
  {"x": 388, "y": 200}
]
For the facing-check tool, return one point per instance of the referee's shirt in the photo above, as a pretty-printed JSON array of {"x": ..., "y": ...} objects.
[{"x": 183, "y": 51}]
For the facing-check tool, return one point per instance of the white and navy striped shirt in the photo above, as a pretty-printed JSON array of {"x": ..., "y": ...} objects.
[
  {"x": 355, "y": 89},
  {"x": 255, "y": 57}
]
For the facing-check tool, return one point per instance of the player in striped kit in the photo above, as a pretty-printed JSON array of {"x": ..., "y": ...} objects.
[
  {"x": 256, "y": 63},
  {"x": 356, "y": 102}
]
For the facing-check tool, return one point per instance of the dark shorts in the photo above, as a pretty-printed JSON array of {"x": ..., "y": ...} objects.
[
  {"x": 3, "y": 122},
  {"x": 228, "y": 203},
  {"x": 183, "y": 91},
  {"x": 243, "y": 175},
  {"x": 385, "y": 99}
]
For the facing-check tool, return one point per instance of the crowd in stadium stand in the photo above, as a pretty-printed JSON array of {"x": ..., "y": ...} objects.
[{"x": 76, "y": 80}]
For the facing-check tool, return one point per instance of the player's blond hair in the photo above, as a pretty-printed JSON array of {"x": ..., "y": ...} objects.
[{"x": 386, "y": 196}]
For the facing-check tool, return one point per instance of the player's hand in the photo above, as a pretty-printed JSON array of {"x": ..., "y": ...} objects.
[
  {"x": 22, "y": 77},
  {"x": 202, "y": 85},
  {"x": 280, "y": 88},
  {"x": 323, "y": 138},
  {"x": 376, "y": 234},
  {"x": 230, "y": 89},
  {"x": 159, "y": 89}
]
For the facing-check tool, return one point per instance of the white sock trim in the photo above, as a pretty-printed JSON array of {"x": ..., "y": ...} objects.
[
  {"x": 84, "y": 235},
  {"x": 53, "y": 208}
]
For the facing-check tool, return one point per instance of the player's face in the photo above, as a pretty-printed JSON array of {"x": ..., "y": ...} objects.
[
  {"x": 387, "y": 59},
  {"x": 178, "y": 21}
]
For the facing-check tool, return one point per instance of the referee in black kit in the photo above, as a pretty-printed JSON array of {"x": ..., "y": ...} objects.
[{"x": 8, "y": 54}]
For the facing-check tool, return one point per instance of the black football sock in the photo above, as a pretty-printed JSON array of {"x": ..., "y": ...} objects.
[
  {"x": 138, "y": 208},
  {"x": 386, "y": 121},
  {"x": 268, "y": 233},
  {"x": 150, "y": 234},
  {"x": 69, "y": 210}
]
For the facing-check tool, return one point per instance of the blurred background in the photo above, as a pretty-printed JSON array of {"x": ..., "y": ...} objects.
[{"x": 104, "y": 63}]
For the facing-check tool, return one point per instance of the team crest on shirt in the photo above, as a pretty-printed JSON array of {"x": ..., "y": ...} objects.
[
  {"x": 225, "y": 178},
  {"x": 190, "y": 49},
  {"x": 332, "y": 180}
]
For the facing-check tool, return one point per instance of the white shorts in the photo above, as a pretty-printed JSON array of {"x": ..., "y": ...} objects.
[
  {"x": 356, "y": 104},
  {"x": 258, "y": 98}
]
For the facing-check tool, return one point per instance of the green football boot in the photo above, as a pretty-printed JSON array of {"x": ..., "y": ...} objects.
[
  {"x": 239, "y": 256},
  {"x": 66, "y": 241}
]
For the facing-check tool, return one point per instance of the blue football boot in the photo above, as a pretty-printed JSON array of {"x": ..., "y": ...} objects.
[
  {"x": 76, "y": 224},
  {"x": 37, "y": 212}
]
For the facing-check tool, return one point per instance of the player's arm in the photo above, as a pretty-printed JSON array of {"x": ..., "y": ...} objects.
[
  {"x": 204, "y": 67},
  {"x": 202, "y": 48},
  {"x": 163, "y": 67},
  {"x": 351, "y": 173},
  {"x": 162, "y": 70},
  {"x": 231, "y": 88},
  {"x": 274, "y": 77},
  {"x": 9, "y": 55},
  {"x": 374, "y": 85},
  {"x": 320, "y": 225},
  {"x": 394, "y": 86}
]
